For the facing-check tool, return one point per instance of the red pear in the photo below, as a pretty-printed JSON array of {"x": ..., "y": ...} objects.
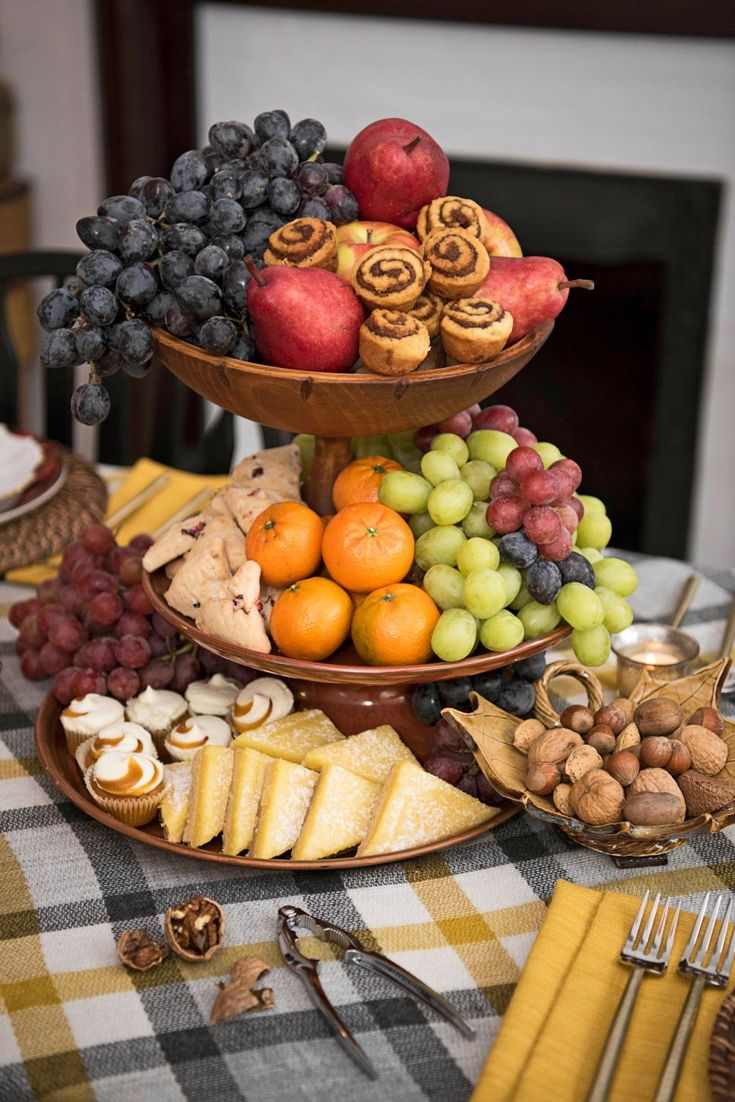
[
  {"x": 533, "y": 288},
  {"x": 394, "y": 168},
  {"x": 304, "y": 318}
]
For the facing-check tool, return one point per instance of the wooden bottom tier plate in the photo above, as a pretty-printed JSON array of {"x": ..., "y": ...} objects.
[{"x": 64, "y": 772}]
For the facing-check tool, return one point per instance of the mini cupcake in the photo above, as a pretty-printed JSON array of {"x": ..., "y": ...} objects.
[
  {"x": 128, "y": 738},
  {"x": 212, "y": 698},
  {"x": 158, "y": 710},
  {"x": 194, "y": 732},
  {"x": 87, "y": 715},
  {"x": 127, "y": 786}
]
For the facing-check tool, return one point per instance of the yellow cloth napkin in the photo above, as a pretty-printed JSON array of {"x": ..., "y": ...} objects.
[
  {"x": 182, "y": 486},
  {"x": 556, "y": 1025}
]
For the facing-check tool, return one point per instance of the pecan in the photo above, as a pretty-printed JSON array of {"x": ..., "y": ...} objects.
[
  {"x": 240, "y": 994},
  {"x": 137, "y": 950},
  {"x": 195, "y": 929}
]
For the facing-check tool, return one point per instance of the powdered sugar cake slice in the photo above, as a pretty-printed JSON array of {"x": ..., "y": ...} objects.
[
  {"x": 293, "y": 737},
  {"x": 372, "y": 754},
  {"x": 174, "y": 807},
  {"x": 339, "y": 814},
  {"x": 210, "y": 788},
  {"x": 248, "y": 777},
  {"x": 287, "y": 793}
]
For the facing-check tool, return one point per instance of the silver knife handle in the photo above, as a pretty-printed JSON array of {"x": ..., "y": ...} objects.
[
  {"x": 677, "y": 1049},
  {"x": 614, "y": 1043}
]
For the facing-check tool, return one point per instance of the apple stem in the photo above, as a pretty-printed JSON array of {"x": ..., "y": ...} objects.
[
  {"x": 369, "y": 236},
  {"x": 584, "y": 284},
  {"x": 412, "y": 144},
  {"x": 254, "y": 271}
]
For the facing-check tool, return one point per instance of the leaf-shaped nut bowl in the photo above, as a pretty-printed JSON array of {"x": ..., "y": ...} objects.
[{"x": 491, "y": 731}]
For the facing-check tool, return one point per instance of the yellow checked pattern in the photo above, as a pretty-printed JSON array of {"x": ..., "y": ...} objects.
[{"x": 75, "y": 1025}]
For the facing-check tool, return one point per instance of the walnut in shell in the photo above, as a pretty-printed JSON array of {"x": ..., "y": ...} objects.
[
  {"x": 195, "y": 929},
  {"x": 240, "y": 993},
  {"x": 137, "y": 950},
  {"x": 526, "y": 732},
  {"x": 580, "y": 761},
  {"x": 560, "y": 796},
  {"x": 555, "y": 746},
  {"x": 597, "y": 798},
  {"x": 706, "y": 749}
]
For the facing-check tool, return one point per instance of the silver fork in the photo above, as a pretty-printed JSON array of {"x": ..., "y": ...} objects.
[
  {"x": 709, "y": 965},
  {"x": 648, "y": 953}
]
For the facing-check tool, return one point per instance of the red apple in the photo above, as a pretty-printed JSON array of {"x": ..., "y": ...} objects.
[
  {"x": 394, "y": 168},
  {"x": 304, "y": 318},
  {"x": 355, "y": 239},
  {"x": 533, "y": 288},
  {"x": 499, "y": 239}
]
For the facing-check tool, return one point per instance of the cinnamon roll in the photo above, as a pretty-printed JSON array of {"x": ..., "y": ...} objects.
[
  {"x": 459, "y": 263},
  {"x": 451, "y": 212},
  {"x": 390, "y": 278},
  {"x": 393, "y": 342},
  {"x": 474, "y": 331},
  {"x": 428, "y": 309},
  {"x": 303, "y": 243}
]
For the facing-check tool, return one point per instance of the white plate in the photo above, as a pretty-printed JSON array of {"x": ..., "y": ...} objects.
[{"x": 36, "y": 502}]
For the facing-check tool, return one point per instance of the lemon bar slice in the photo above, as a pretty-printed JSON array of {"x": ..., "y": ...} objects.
[
  {"x": 174, "y": 807},
  {"x": 292, "y": 737},
  {"x": 211, "y": 773},
  {"x": 339, "y": 815},
  {"x": 248, "y": 774},
  {"x": 372, "y": 754},
  {"x": 416, "y": 808},
  {"x": 287, "y": 793}
]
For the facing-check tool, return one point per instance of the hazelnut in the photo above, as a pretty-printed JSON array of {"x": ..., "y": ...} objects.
[
  {"x": 542, "y": 778},
  {"x": 654, "y": 809},
  {"x": 709, "y": 718},
  {"x": 577, "y": 718},
  {"x": 602, "y": 739},
  {"x": 612, "y": 716},
  {"x": 657, "y": 781},
  {"x": 553, "y": 746},
  {"x": 707, "y": 750},
  {"x": 658, "y": 716},
  {"x": 656, "y": 751},
  {"x": 627, "y": 707},
  {"x": 624, "y": 766},
  {"x": 580, "y": 761},
  {"x": 597, "y": 798},
  {"x": 703, "y": 793},
  {"x": 628, "y": 738},
  {"x": 680, "y": 759},
  {"x": 561, "y": 799},
  {"x": 526, "y": 732}
]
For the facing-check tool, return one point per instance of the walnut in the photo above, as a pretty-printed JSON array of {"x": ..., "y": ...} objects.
[
  {"x": 195, "y": 929},
  {"x": 624, "y": 766},
  {"x": 560, "y": 796},
  {"x": 542, "y": 778},
  {"x": 597, "y": 798},
  {"x": 577, "y": 718},
  {"x": 580, "y": 761},
  {"x": 703, "y": 793},
  {"x": 654, "y": 809},
  {"x": 137, "y": 950},
  {"x": 629, "y": 737},
  {"x": 602, "y": 739},
  {"x": 554, "y": 746},
  {"x": 658, "y": 716},
  {"x": 709, "y": 718},
  {"x": 526, "y": 732},
  {"x": 240, "y": 993},
  {"x": 613, "y": 717},
  {"x": 707, "y": 750}
]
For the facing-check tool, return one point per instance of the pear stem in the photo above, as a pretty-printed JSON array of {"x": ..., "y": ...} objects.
[
  {"x": 584, "y": 284},
  {"x": 254, "y": 271},
  {"x": 412, "y": 144}
]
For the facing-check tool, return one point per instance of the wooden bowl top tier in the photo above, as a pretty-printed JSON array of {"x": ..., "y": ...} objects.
[{"x": 332, "y": 404}]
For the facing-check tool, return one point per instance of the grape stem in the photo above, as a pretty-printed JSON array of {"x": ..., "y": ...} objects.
[
  {"x": 412, "y": 144},
  {"x": 254, "y": 271},
  {"x": 583, "y": 284}
]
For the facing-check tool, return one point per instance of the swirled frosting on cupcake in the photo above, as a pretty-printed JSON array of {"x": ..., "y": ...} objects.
[
  {"x": 89, "y": 714},
  {"x": 156, "y": 709},
  {"x": 118, "y": 774},
  {"x": 212, "y": 698},
  {"x": 128, "y": 738},
  {"x": 193, "y": 733}
]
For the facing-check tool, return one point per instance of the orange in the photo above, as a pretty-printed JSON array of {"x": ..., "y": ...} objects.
[
  {"x": 360, "y": 480},
  {"x": 366, "y": 546},
  {"x": 285, "y": 541},
  {"x": 311, "y": 619},
  {"x": 393, "y": 626}
]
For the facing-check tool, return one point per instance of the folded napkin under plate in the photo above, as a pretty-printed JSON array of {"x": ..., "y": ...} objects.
[
  {"x": 555, "y": 1028},
  {"x": 181, "y": 488}
]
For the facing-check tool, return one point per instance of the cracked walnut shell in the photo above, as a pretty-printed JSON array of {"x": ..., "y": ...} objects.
[
  {"x": 706, "y": 749},
  {"x": 597, "y": 798},
  {"x": 195, "y": 929},
  {"x": 580, "y": 761},
  {"x": 240, "y": 993},
  {"x": 137, "y": 950}
]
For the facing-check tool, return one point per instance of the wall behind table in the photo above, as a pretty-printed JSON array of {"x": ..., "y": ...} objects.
[{"x": 637, "y": 103}]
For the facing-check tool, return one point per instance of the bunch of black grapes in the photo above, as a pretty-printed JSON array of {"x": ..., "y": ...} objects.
[{"x": 171, "y": 253}]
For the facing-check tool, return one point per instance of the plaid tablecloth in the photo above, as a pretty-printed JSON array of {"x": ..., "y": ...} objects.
[{"x": 76, "y": 1025}]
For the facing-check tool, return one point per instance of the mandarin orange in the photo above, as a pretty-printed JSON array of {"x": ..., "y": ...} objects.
[
  {"x": 393, "y": 626},
  {"x": 311, "y": 619},
  {"x": 367, "y": 546},
  {"x": 360, "y": 480},
  {"x": 285, "y": 541}
]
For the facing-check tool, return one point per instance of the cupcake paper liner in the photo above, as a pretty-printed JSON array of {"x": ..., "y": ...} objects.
[{"x": 131, "y": 810}]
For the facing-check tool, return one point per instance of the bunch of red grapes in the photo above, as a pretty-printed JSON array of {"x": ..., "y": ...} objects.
[
  {"x": 502, "y": 418},
  {"x": 93, "y": 629}
]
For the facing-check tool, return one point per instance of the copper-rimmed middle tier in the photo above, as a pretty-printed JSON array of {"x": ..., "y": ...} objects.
[
  {"x": 334, "y": 404},
  {"x": 345, "y": 666}
]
